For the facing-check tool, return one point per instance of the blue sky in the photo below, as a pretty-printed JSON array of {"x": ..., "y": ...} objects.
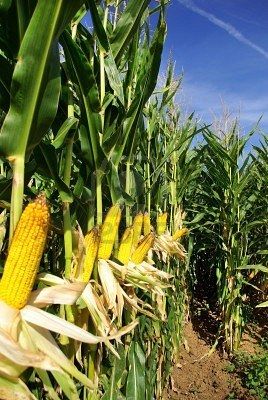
[{"x": 222, "y": 47}]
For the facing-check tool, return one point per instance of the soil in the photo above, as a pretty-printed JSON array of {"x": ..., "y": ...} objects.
[{"x": 196, "y": 376}]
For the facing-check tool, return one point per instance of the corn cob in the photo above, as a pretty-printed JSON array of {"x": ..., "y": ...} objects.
[
  {"x": 144, "y": 246},
  {"x": 161, "y": 223},
  {"x": 146, "y": 224},
  {"x": 125, "y": 246},
  {"x": 109, "y": 231},
  {"x": 25, "y": 253},
  {"x": 137, "y": 227},
  {"x": 92, "y": 244},
  {"x": 179, "y": 233}
]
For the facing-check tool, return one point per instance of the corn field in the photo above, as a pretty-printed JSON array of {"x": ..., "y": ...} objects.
[{"x": 115, "y": 211}]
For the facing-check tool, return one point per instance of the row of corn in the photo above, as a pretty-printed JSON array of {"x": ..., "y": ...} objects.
[
  {"x": 120, "y": 271},
  {"x": 29, "y": 240}
]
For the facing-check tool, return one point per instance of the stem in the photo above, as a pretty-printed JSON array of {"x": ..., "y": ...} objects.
[
  {"x": 165, "y": 177},
  {"x": 99, "y": 198},
  {"x": 102, "y": 88},
  {"x": 102, "y": 72},
  {"x": 17, "y": 194},
  {"x": 148, "y": 183},
  {"x": 127, "y": 189},
  {"x": 67, "y": 225},
  {"x": 21, "y": 18},
  {"x": 173, "y": 192},
  {"x": 92, "y": 371},
  {"x": 102, "y": 115}
]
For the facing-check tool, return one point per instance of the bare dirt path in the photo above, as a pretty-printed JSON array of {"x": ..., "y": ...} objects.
[{"x": 205, "y": 379}]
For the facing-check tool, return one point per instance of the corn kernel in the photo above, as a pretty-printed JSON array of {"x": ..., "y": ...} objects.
[
  {"x": 109, "y": 231},
  {"x": 125, "y": 246},
  {"x": 144, "y": 246},
  {"x": 161, "y": 223},
  {"x": 92, "y": 244},
  {"x": 25, "y": 254}
]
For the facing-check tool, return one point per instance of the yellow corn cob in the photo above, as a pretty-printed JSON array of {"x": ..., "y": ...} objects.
[
  {"x": 141, "y": 251},
  {"x": 146, "y": 224},
  {"x": 109, "y": 231},
  {"x": 137, "y": 227},
  {"x": 179, "y": 233},
  {"x": 161, "y": 223},
  {"x": 25, "y": 253},
  {"x": 92, "y": 239},
  {"x": 125, "y": 246}
]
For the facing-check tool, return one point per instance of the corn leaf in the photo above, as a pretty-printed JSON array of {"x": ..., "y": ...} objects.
[
  {"x": 135, "y": 389},
  {"x": 68, "y": 124},
  {"x": 35, "y": 83},
  {"x": 127, "y": 26},
  {"x": 47, "y": 163},
  {"x": 118, "y": 370},
  {"x": 109, "y": 62}
]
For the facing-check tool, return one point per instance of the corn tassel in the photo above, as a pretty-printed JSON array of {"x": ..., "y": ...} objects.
[
  {"x": 146, "y": 224},
  {"x": 109, "y": 231},
  {"x": 25, "y": 253},
  {"x": 137, "y": 227},
  {"x": 179, "y": 233},
  {"x": 125, "y": 247},
  {"x": 141, "y": 251},
  {"x": 161, "y": 223},
  {"x": 92, "y": 240}
]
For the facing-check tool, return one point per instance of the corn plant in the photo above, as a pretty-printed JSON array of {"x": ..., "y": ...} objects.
[
  {"x": 258, "y": 243},
  {"x": 224, "y": 219}
]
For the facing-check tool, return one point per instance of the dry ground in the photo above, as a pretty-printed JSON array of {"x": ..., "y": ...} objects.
[{"x": 206, "y": 378}]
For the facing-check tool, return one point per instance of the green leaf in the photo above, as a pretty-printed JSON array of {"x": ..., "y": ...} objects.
[
  {"x": 78, "y": 62},
  {"x": 98, "y": 27},
  {"x": 66, "y": 384},
  {"x": 113, "y": 76},
  {"x": 46, "y": 159},
  {"x": 68, "y": 124},
  {"x": 257, "y": 267},
  {"x": 85, "y": 78},
  {"x": 114, "y": 183},
  {"x": 155, "y": 57},
  {"x": 127, "y": 26},
  {"x": 135, "y": 389},
  {"x": 265, "y": 304},
  {"x": 35, "y": 83},
  {"x": 47, "y": 384},
  {"x": 109, "y": 62},
  {"x": 117, "y": 372}
]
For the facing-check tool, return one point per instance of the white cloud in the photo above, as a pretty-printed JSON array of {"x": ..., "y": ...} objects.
[
  {"x": 209, "y": 103},
  {"x": 224, "y": 25}
]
